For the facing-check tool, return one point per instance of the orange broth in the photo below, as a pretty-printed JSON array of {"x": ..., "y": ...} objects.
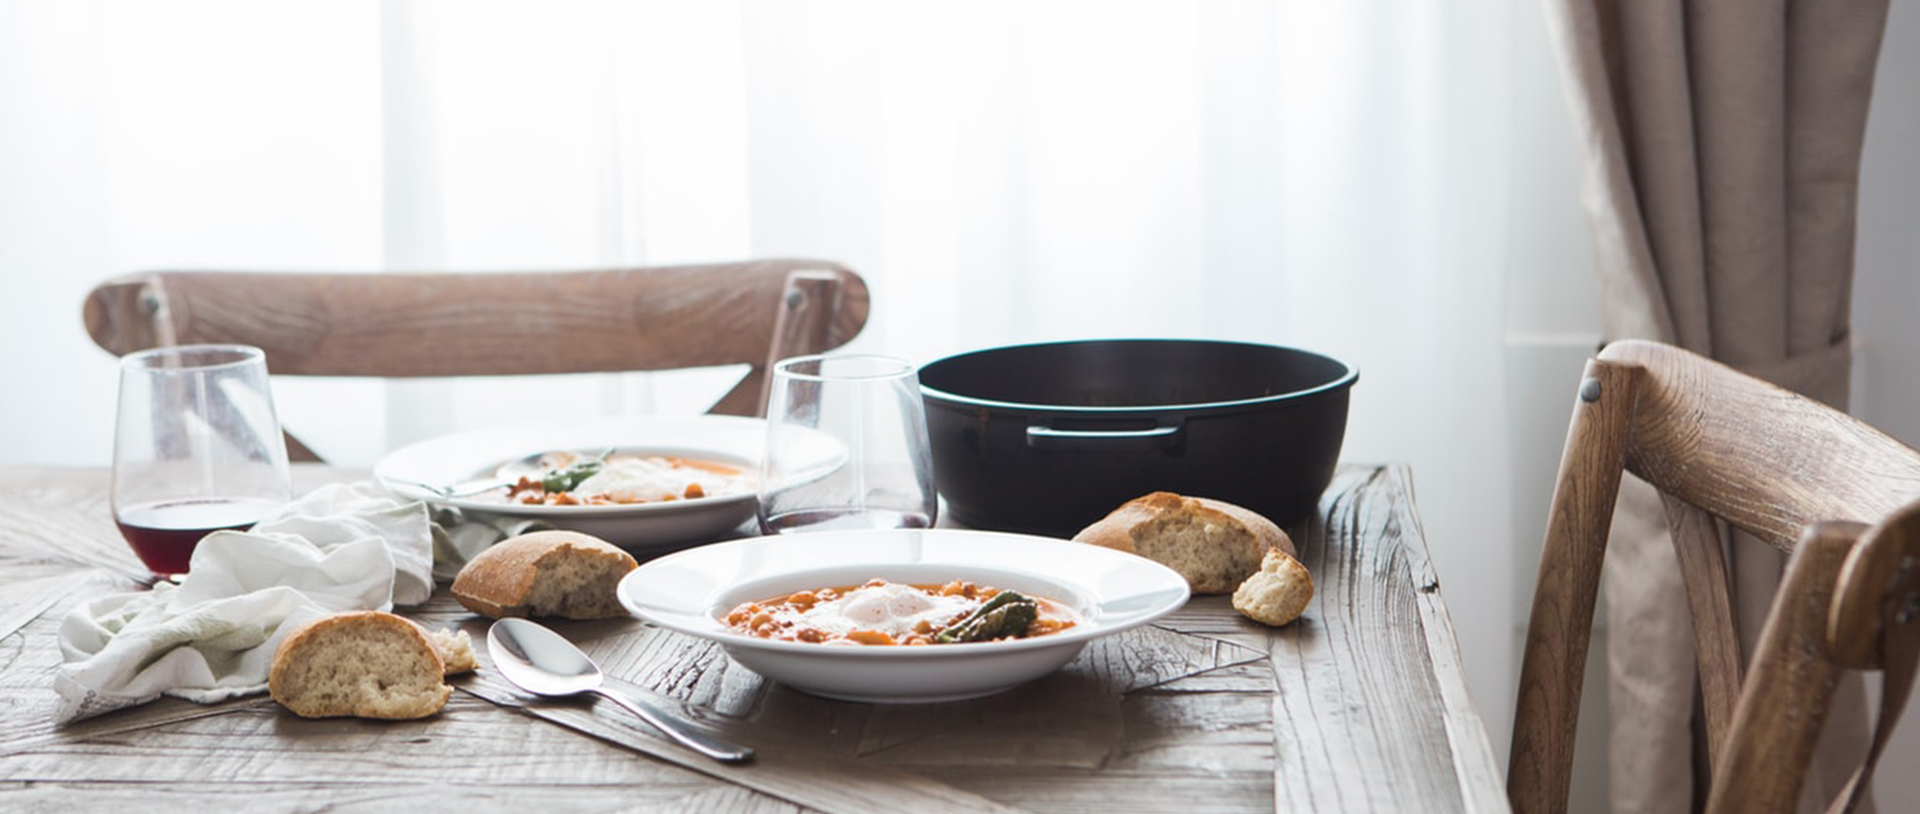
[
  {"x": 529, "y": 490},
  {"x": 796, "y": 617}
]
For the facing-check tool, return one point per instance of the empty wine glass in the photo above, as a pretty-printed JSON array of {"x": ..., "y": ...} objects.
[
  {"x": 197, "y": 448},
  {"x": 846, "y": 446}
]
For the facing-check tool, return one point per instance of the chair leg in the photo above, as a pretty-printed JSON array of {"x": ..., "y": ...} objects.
[{"x": 1561, "y": 625}]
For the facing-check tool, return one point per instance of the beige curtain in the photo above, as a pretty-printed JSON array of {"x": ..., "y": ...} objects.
[{"x": 1722, "y": 142}]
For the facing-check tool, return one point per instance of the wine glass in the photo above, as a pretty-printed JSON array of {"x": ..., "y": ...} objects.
[
  {"x": 197, "y": 448},
  {"x": 846, "y": 446}
]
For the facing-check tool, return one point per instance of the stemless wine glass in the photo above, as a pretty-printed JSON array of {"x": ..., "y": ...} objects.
[
  {"x": 846, "y": 446},
  {"x": 197, "y": 448}
]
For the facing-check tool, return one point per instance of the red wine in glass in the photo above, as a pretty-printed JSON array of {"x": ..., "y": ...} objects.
[
  {"x": 164, "y": 533},
  {"x": 196, "y": 448}
]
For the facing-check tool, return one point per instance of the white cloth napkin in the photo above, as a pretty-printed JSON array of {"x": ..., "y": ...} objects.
[
  {"x": 459, "y": 536},
  {"x": 212, "y": 637}
]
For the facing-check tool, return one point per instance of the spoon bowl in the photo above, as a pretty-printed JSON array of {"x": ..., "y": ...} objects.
[{"x": 543, "y": 662}]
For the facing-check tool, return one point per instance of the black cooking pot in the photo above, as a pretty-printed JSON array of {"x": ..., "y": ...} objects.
[{"x": 1048, "y": 438}]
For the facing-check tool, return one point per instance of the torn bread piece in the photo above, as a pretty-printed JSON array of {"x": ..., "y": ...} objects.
[
  {"x": 1277, "y": 593},
  {"x": 366, "y": 664},
  {"x": 545, "y": 573},
  {"x": 1214, "y": 544}
]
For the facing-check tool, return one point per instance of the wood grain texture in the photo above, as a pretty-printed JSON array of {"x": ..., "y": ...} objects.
[
  {"x": 1780, "y": 712},
  {"x": 1701, "y": 550},
  {"x": 691, "y": 796},
  {"x": 1721, "y": 447},
  {"x": 1761, "y": 457},
  {"x": 496, "y": 324},
  {"x": 1473, "y": 758},
  {"x": 1873, "y": 622},
  {"x": 1359, "y": 707},
  {"x": 485, "y": 324},
  {"x": 1560, "y": 627},
  {"x": 1371, "y": 603},
  {"x": 1876, "y": 594}
]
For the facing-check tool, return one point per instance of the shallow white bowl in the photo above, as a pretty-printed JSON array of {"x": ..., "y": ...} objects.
[
  {"x": 1111, "y": 591},
  {"x": 475, "y": 455}
]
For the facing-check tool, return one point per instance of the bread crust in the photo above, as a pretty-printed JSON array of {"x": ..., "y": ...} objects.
[
  {"x": 1136, "y": 523},
  {"x": 308, "y": 640},
  {"x": 504, "y": 580},
  {"x": 1268, "y": 533}
]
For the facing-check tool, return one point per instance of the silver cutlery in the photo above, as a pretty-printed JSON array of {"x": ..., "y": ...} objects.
[{"x": 543, "y": 662}]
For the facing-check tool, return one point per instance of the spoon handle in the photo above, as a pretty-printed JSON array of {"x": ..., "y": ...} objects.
[
  {"x": 458, "y": 490},
  {"x": 723, "y": 751}
]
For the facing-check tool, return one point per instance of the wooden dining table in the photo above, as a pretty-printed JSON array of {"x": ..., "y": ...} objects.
[{"x": 1361, "y": 705}]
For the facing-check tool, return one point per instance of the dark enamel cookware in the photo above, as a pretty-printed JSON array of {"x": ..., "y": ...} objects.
[{"x": 1048, "y": 438}]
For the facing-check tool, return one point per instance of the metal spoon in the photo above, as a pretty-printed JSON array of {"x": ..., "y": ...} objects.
[
  {"x": 457, "y": 490},
  {"x": 507, "y": 475},
  {"x": 543, "y": 662}
]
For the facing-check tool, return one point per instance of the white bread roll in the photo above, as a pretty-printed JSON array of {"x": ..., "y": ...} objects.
[
  {"x": 1214, "y": 544},
  {"x": 545, "y": 573},
  {"x": 367, "y": 664},
  {"x": 1277, "y": 593}
]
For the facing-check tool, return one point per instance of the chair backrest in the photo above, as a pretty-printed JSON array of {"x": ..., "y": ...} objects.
[
  {"x": 488, "y": 324},
  {"x": 1722, "y": 446}
]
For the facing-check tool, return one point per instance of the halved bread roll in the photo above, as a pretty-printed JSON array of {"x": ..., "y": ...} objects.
[
  {"x": 545, "y": 573},
  {"x": 367, "y": 664},
  {"x": 1214, "y": 544}
]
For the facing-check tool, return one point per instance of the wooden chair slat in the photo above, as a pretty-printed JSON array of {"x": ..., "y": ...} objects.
[
  {"x": 1700, "y": 547},
  {"x": 1721, "y": 447},
  {"x": 399, "y": 325},
  {"x": 1762, "y": 737},
  {"x": 1541, "y": 768},
  {"x": 1761, "y": 457}
]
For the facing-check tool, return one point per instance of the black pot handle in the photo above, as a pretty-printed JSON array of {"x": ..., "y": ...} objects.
[{"x": 1050, "y": 438}]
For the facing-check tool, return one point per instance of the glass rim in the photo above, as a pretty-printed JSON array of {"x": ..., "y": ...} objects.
[
  {"x": 143, "y": 360},
  {"x": 901, "y": 367}
]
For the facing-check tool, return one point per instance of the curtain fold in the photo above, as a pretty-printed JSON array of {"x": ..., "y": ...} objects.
[{"x": 1722, "y": 142}]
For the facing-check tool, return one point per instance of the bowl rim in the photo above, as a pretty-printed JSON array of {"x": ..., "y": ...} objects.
[
  {"x": 1349, "y": 376},
  {"x": 400, "y": 470},
  {"x": 1084, "y": 599}
]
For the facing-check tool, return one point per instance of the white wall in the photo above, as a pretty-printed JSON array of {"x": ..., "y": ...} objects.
[
  {"x": 1553, "y": 325},
  {"x": 57, "y": 381},
  {"x": 1886, "y": 371}
]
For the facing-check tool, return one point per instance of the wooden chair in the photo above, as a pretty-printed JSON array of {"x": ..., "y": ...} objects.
[
  {"x": 408, "y": 325},
  {"x": 1721, "y": 446}
]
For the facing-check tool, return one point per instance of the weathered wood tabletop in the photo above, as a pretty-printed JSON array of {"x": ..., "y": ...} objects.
[{"x": 1360, "y": 706}]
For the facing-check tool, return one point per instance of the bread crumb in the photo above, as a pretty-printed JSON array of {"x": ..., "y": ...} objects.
[
  {"x": 455, "y": 649},
  {"x": 1277, "y": 593}
]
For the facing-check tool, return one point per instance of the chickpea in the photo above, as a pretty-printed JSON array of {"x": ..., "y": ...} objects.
[{"x": 869, "y": 637}]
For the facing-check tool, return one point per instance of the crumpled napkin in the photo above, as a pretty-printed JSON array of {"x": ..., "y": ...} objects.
[
  {"x": 461, "y": 535},
  {"x": 212, "y": 636}
]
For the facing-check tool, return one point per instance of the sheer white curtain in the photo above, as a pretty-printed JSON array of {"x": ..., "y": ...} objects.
[{"x": 1328, "y": 175}]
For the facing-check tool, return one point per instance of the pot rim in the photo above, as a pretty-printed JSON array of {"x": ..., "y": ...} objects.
[{"x": 1341, "y": 382}]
